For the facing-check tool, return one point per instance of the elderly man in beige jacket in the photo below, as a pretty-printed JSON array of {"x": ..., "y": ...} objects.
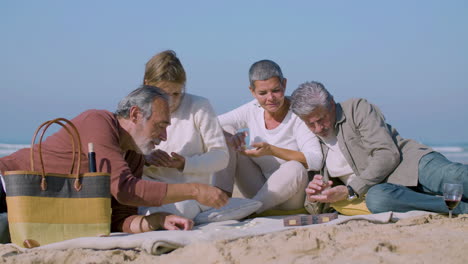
[{"x": 366, "y": 157}]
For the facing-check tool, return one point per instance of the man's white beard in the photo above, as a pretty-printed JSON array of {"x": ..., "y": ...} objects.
[{"x": 145, "y": 148}]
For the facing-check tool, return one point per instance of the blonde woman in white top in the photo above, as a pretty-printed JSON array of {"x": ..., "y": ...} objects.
[
  {"x": 195, "y": 147},
  {"x": 273, "y": 168}
]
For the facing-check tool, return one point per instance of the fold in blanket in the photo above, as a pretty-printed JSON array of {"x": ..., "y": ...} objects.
[{"x": 159, "y": 242}]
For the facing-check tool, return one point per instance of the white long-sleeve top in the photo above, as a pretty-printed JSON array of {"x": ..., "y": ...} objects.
[
  {"x": 291, "y": 134},
  {"x": 194, "y": 133}
]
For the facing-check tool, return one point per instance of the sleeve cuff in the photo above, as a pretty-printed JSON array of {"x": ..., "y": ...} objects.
[
  {"x": 359, "y": 187},
  {"x": 314, "y": 161},
  {"x": 189, "y": 165}
]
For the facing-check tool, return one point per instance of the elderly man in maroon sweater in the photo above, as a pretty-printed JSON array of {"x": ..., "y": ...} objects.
[{"x": 121, "y": 140}]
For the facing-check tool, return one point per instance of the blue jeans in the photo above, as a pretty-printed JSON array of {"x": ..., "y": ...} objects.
[{"x": 434, "y": 171}]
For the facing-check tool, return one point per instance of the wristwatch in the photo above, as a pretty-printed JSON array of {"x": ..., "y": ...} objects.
[{"x": 351, "y": 194}]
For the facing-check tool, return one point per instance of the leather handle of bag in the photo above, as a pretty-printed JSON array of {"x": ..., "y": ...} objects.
[
  {"x": 45, "y": 126},
  {"x": 59, "y": 122},
  {"x": 43, "y": 181},
  {"x": 34, "y": 140},
  {"x": 77, "y": 184},
  {"x": 48, "y": 123}
]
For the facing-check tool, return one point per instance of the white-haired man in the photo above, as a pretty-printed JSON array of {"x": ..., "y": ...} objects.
[{"x": 365, "y": 156}]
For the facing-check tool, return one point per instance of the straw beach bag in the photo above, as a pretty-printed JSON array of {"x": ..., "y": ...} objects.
[{"x": 46, "y": 207}]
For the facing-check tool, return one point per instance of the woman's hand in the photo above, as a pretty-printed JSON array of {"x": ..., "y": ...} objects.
[
  {"x": 265, "y": 149},
  {"x": 236, "y": 141},
  {"x": 177, "y": 161},
  {"x": 259, "y": 149},
  {"x": 160, "y": 158}
]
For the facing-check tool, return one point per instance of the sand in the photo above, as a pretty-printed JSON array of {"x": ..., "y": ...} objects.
[{"x": 424, "y": 239}]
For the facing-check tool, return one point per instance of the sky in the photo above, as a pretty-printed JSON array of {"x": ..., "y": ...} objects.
[{"x": 60, "y": 58}]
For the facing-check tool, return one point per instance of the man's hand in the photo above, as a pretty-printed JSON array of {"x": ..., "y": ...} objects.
[
  {"x": 160, "y": 158},
  {"x": 209, "y": 195},
  {"x": 321, "y": 191},
  {"x": 168, "y": 221},
  {"x": 259, "y": 149},
  {"x": 317, "y": 185},
  {"x": 332, "y": 195},
  {"x": 203, "y": 193},
  {"x": 175, "y": 222}
]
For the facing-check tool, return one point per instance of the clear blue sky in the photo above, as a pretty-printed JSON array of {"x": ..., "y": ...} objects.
[{"x": 59, "y": 58}]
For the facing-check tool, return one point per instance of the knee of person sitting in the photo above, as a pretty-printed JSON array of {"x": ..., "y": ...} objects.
[
  {"x": 296, "y": 172},
  {"x": 378, "y": 198},
  {"x": 295, "y": 166}
]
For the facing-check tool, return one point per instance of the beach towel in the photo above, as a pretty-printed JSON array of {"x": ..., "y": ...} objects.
[{"x": 159, "y": 242}]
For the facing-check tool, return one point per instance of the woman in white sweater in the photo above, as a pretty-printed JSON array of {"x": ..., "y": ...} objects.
[
  {"x": 272, "y": 167},
  {"x": 195, "y": 147}
]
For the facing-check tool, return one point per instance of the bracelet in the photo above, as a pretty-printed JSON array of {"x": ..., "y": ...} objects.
[{"x": 158, "y": 223}]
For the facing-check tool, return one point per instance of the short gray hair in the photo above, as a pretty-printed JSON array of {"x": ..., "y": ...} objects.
[
  {"x": 308, "y": 96},
  {"x": 143, "y": 98},
  {"x": 264, "y": 70}
]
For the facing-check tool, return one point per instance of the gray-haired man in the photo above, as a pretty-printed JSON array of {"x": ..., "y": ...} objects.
[
  {"x": 121, "y": 140},
  {"x": 365, "y": 156}
]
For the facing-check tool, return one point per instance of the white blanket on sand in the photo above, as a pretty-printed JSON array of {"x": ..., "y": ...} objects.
[{"x": 159, "y": 242}]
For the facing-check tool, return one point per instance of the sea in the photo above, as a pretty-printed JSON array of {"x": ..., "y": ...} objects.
[{"x": 457, "y": 152}]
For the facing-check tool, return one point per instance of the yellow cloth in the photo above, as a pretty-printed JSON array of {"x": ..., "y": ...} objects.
[{"x": 356, "y": 207}]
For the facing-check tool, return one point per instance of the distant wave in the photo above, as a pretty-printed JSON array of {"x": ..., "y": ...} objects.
[
  {"x": 451, "y": 155},
  {"x": 449, "y": 149},
  {"x": 7, "y": 149}
]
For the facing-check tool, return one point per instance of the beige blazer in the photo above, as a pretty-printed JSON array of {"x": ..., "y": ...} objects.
[{"x": 374, "y": 149}]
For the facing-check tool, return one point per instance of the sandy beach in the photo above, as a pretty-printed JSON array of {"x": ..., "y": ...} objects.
[{"x": 423, "y": 239}]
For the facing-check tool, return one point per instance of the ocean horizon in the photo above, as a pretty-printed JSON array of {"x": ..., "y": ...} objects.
[{"x": 456, "y": 152}]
